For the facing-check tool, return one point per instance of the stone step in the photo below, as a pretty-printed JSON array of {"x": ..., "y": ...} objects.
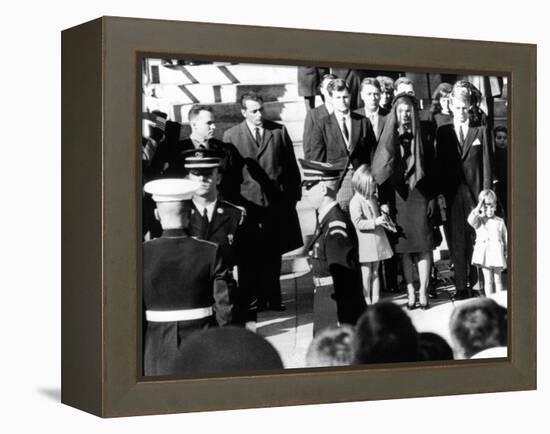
[
  {"x": 219, "y": 73},
  {"x": 225, "y": 93}
]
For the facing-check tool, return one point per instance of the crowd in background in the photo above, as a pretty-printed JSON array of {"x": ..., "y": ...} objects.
[{"x": 394, "y": 176}]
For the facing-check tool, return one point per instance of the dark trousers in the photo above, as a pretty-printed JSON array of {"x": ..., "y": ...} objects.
[
  {"x": 461, "y": 238},
  {"x": 260, "y": 265}
]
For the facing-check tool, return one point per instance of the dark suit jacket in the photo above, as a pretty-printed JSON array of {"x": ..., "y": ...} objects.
[
  {"x": 271, "y": 179},
  {"x": 327, "y": 143},
  {"x": 222, "y": 230},
  {"x": 309, "y": 79},
  {"x": 382, "y": 113},
  {"x": 312, "y": 117},
  {"x": 469, "y": 165}
]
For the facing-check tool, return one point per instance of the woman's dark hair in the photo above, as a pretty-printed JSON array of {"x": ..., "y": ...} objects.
[
  {"x": 441, "y": 90},
  {"x": 433, "y": 347},
  {"x": 385, "y": 334}
]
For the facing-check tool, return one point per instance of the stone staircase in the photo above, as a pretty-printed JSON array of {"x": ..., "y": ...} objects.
[{"x": 173, "y": 88}]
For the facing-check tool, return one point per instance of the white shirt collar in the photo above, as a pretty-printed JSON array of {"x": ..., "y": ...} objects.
[
  {"x": 324, "y": 210},
  {"x": 253, "y": 127},
  {"x": 209, "y": 209}
]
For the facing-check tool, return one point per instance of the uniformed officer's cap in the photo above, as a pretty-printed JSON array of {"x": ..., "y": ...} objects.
[
  {"x": 157, "y": 117},
  {"x": 202, "y": 159},
  {"x": 318, "y": 171},
  {"x": 171, "y": 189}
]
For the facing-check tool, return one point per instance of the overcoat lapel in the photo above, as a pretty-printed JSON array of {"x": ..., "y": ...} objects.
[
  {"x": 355, "y": 131},
  {"x": 266, "y": 138},
  {"x": 336, "y": 132},
  {"x": 469, "y": 139},
  {"x": 252, "y": 149}
]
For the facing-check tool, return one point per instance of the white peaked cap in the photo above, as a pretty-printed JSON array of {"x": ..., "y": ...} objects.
[{"x": 171, "y": 189}]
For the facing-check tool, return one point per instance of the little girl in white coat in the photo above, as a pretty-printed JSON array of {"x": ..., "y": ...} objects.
[
  {"x": 490, "y": 249},
  {"x": 369, "y": 223}
]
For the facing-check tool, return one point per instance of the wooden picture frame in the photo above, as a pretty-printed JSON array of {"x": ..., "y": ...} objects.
[{"x": 101, "y": 268}]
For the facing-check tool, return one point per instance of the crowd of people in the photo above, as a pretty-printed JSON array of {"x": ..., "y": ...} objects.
[
  {"x": 383, "y": 334},
  {"x": 219, "y": 214}
]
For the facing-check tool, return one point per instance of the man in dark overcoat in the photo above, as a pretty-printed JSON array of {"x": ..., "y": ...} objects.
[
  {"x": 464, "y": 156},
  {"x": 269, "y": 192}
]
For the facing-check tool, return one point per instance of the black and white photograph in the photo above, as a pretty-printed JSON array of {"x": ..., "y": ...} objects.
[{"x": 320, "y": 217}]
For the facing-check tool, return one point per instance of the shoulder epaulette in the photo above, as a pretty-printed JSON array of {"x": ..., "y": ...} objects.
[{"x": 240, "y": 208}]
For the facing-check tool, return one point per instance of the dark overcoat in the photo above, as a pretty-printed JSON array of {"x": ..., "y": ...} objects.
[{"x": 270, "y": 181}]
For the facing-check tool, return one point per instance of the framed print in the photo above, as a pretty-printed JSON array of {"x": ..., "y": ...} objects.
[{"x": 282, "y": 217}]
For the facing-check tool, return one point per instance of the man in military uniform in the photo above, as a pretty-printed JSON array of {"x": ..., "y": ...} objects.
[
  {"x": 333, "y": 248},
  {"x": 209, "y": 217},
  {"x": 185, "y": 282}
]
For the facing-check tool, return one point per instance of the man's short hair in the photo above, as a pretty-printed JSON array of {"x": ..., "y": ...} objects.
[
  {"x": 500, "y": 129},
  {"x": 196, "y": 109},
  {"x": 462, "y": 92},
  {"x": 337, "y": 85},
  {"x": 372, "y": 82},
  {"x": 402, "y": 80},
  {"x": 385, "y": 82},
  {"x": 477, "y": 325},
  {"x": 331, "y": 347},
  {"x": 327, "y": 77},
  {"x": 250, "y": 96}
]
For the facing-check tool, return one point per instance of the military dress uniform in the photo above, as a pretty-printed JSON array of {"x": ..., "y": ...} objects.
[
  {"x": 334, "y": 257},
  {"x": 334, "y": 253},
  {"x": 224, "y": 230},
  {"x": 185, "y": 289}
]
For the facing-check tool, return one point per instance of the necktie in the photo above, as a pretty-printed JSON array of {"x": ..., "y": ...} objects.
[
  {"x": 258, "y": 137},
  {"x": 205, "y": 224},
  {"x": 461, "y": 135},
  {"x": 345, "y": 129}
]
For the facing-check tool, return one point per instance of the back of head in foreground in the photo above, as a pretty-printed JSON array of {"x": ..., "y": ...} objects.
[
  {"x": 477, "y": 325},
  {"x": 225, "y": 350},
  {"x": 385, "y": 334},
  {"x": 331, "y": 347}
]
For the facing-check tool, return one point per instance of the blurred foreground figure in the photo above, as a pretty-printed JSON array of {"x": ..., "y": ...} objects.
[
  {"x": 478, "y": 325},
  {"x": 385, "y": 334},
  {"x": 225, "y": 350},
  {"x": 331, "y": 347}
]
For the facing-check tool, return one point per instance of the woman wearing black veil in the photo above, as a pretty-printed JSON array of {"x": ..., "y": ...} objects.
[{"x": 403, "y": 166}]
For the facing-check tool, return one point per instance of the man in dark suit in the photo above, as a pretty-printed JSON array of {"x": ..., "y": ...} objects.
[
  {"x": 370, "y": 94},
  {"x": 210, "y": 218},
  {"x": 185, "y": 282},
  {"x": 269, "y": 192},
  {"x": 203, "y": 126},
  {"x": 343, "y": 137},
  {"x": 333, "y": 249},
  {"x": 464, "y": 156},
  {"x": 309, "y": 79},
  {"x": 313, "y": 116}
]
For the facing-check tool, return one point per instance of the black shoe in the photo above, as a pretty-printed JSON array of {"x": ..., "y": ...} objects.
[{"x": 411, "y": 306}]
